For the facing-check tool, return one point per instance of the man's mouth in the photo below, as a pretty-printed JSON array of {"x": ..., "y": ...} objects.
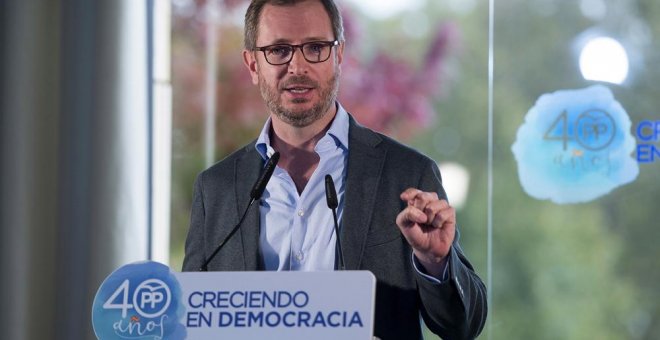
[
  {"x": 298, "y": 90},
  {"x": 299, "y": 85}
]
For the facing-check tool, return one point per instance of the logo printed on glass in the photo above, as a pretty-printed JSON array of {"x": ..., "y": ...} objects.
[
  {"x": 575, "y": 146},
  {"x": 648, "y": 147}
]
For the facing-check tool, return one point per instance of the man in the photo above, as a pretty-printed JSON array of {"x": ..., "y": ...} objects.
[{"x": 394, "y": 217}]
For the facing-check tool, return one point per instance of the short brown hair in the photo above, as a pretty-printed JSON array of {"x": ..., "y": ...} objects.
[{"x": 254, "y": 11}]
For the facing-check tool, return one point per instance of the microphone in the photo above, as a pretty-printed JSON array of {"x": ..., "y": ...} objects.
[
  {"x": 331, "y": 198},
  {"x": 260, "y": 185},
  {"x": 255, "y": 194}
]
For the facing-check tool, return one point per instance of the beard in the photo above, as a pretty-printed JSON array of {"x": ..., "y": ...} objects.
[{"x": 300, "y": 117}]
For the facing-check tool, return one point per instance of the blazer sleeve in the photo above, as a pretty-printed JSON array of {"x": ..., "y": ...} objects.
[
  {"x": 455, "y": 308},
  {"x": 194, "y": 249}
]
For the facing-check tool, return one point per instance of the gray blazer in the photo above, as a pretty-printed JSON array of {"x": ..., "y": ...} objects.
[{"x": 379, "y": 170}]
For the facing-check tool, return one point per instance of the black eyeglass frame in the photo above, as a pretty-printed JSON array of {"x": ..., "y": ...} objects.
[{"x": 331, "y": 44}]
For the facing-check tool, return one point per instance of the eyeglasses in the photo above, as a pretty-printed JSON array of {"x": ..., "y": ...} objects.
[{"x": 313, "y": 52}]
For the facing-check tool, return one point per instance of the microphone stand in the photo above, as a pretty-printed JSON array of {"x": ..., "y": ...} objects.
[
  {"x": 255, "y": 194},
  {"x": 331, "y": 198}
]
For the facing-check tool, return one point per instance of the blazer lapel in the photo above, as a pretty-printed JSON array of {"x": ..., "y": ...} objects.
[
  {"x": 248, "y": 168},
  {"x": 365, "y": 163}
]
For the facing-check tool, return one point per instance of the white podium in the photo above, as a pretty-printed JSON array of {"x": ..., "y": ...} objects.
[{"x": 147, "y": 300}]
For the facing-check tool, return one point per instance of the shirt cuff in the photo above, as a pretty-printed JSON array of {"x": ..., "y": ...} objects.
[{"x": 420, "y": 270}]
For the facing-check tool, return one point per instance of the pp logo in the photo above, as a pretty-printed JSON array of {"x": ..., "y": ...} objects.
[
  {"x": 150, "y": 299},
  {"x": 575, "y": 146},
  {"x": 139, "y": 301},
  {"x": 596, "y": 129}
]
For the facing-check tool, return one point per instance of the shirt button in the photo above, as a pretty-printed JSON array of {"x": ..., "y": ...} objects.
[
  {"x": 301, "y": 213},
  {"x": 300, "y": 256}
]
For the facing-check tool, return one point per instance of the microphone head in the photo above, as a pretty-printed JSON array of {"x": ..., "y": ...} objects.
[
  {"x": 330, "y": 193},
  {"x": 274, "y": 158},
  {"x": 260, "y": 185}
]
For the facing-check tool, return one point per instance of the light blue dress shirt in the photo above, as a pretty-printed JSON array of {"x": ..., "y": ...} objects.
[{"x": 297, "y": 230}]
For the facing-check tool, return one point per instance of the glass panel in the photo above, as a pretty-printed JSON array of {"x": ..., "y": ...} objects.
[
  {"x": 575, "y": 253},
  {"x": 574, "y": 242},
  {"x": 216, "y": 109}
]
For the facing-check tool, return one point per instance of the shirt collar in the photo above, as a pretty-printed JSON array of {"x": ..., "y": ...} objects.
[{"x": 338, "y": 130}]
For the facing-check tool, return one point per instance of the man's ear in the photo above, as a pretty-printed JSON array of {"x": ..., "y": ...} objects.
[
  {"x": 340, "y": 52},
  {"x": 250, "y": 61}
]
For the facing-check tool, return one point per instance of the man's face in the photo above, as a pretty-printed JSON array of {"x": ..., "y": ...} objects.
[{"x": 298, "y": 93}]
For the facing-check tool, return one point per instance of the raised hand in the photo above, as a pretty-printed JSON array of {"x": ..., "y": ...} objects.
[{"x": 428, "y": 224}]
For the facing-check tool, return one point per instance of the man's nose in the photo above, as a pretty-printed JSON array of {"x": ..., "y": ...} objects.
[{"x": 298, "y": 64}]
